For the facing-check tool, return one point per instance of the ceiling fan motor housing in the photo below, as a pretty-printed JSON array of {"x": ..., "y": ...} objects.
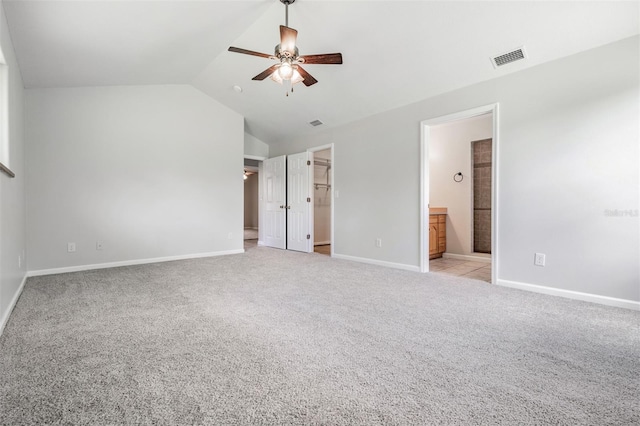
[{"x": 279, "y": 53}]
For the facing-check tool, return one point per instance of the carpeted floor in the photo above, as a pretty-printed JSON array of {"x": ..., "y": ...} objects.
[{"x": 274, "y": 337}]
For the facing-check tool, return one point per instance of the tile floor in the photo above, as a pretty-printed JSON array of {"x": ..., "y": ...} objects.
[{"x": 461, "y": 268}]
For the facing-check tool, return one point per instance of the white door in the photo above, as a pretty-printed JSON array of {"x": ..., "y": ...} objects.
[
  {"x": 298, "y": 203},
  {"x": 274, "y": 202}
]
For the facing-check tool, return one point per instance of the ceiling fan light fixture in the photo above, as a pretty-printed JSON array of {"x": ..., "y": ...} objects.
[
  {"x": 276, "y": 77},
  {"x": 296, "y": 77},
  {"x": 286, "y": 70}
]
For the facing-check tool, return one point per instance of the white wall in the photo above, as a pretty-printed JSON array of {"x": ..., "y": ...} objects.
[
  {"x": 568, "y": 153},
  {"x": 450, "y": 153},
  {"x": 12, "y": 198},
  {"x": 254, "y": 147},
  {"x": 322, "y": 200},
  {"x": 149, "y": 171}
]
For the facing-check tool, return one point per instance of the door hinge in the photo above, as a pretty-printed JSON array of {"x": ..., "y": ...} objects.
[
  {"x": 308, "y": 162},
  {"x": 308, "y": 199},
  {"x": 308, "y": 236}
]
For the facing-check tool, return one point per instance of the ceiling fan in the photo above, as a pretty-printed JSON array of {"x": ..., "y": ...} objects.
[{"x": 287, "y": 70}]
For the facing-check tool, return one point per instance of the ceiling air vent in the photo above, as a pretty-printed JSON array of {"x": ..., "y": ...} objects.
[
  {"x": 316, "y": 123},
  {"x": 508, "y": 57}
]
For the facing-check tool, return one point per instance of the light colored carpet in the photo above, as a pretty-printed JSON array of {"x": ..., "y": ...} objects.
[{"x": 274, "y": 337}]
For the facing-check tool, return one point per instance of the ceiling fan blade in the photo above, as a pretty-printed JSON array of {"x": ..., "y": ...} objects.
[
  {"x": 288, "y": 37},
  {"x": 325, "y": 58},
  {"x": 266, "y": 73},
  {"x": 248, "y": 52},
  {"x": 308, "y": 78}
]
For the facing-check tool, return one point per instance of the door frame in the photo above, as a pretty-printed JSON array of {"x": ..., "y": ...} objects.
[
  {"x": 425, "y": 131},
  {"x": 260, "y": 159},
  {"x": 333, "y": 183}
]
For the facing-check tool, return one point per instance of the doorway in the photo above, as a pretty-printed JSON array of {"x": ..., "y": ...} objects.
[
  {"x": 448, "y": 178},
  {"x": 251, "y": 200},
  {"x": 322, "y": 179},
  {"x": 291, "y": 187}
]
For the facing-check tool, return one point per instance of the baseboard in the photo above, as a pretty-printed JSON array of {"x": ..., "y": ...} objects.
[
  {"x": 576, "y": 295},
  {"x": 321, "y": 243},
  {"x": 79, "y": 268},
  {"x": 468, "y": 257},
  {"x": 378, "y": 262},
  {"x": 12, "y": 304}
]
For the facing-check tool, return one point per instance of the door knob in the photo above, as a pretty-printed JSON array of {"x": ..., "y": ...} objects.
[{"x": 282, "y": 207}]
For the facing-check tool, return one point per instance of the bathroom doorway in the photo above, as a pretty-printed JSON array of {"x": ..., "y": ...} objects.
[{"x": 458, "y": 232}]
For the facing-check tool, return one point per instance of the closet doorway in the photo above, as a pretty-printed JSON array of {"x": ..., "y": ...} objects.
[
  {"x": 296, "y": 201},
  {"x": 322, "y": 200}
]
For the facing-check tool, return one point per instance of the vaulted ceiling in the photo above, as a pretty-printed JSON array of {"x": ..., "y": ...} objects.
[{"x": 395, "y": 52}]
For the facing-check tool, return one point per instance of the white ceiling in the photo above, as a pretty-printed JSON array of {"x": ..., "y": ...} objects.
[{"x": 395, "y": 52}]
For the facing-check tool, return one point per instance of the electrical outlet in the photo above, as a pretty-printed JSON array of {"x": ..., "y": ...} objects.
[
  {"x": 99, "y": 245},
  {"x": 19, "y": 261},
  {"x": 71, "y": 247},
  {"x": 539, "y": 259},
  {"x": 378, "y": 242},
  {"x": 230, "y": 236}
]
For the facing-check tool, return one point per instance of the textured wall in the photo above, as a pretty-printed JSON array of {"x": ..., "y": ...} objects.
[
  {"x": 12, "y": 191},
  {"x": 149, "y": 171},
  {"x": 567, "y": 157}
]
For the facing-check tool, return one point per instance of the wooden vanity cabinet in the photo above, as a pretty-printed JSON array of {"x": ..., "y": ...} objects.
[{"x": 437, "y": 235}]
